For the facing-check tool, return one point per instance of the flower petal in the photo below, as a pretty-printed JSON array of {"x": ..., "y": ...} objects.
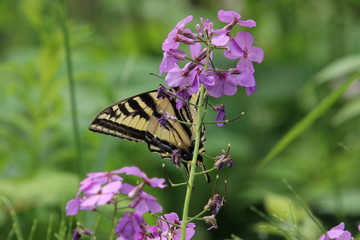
[
  {"x": 195, "y": 50},
  {"x": 112, "y": 187},
  {"x": 244, "y": 40},
  {"x": 248, "y": 23},
  {"x": 228, "y": 16},
  {"x": 236, "y": 51},
  {"x": 256, "y": 54},
  {"x": 73, "y": 206},
  {"x": 104, "y": 199},
  {"x": 220, "y": 40}
]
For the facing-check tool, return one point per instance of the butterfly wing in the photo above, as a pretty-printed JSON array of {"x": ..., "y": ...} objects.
[
  {"x": 137, "y": 119},
  {"x": 127, "y": 119}
]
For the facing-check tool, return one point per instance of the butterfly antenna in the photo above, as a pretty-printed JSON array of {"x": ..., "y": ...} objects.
[
  {"x": 167, "y": 177},
  {"x": 156, "y": 75}
]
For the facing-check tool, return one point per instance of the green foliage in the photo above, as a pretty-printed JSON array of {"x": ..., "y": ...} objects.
[{"x": 304, "y": 96}]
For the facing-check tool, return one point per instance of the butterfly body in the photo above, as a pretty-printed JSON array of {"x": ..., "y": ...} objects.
[{"x": 137, "y": 119}]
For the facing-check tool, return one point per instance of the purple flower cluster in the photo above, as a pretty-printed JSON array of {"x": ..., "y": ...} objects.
[
  {"x": 200, "y": 69},
  {"x": 337, "y": 233},
  {"x": 215, "y": 202},
  {"x": 162, "y": 230},
  {"x": 222, "y": 159},
  {"x": 102, "y": 188}
]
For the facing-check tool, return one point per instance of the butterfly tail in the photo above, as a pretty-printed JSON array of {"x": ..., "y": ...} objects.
[
  {"x": 200, "y": 164},
  {"x": 207, "y": 177}
]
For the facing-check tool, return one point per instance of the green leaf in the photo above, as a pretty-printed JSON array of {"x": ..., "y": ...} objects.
[
  {"x": 340, "y": 67},
  {"x": 308, "y": 120}
]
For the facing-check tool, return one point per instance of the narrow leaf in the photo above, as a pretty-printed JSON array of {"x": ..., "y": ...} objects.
[{"x": 308, "y": 120}]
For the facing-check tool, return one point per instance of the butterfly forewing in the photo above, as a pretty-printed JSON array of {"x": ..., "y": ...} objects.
[{"x": 126, "y": 119}]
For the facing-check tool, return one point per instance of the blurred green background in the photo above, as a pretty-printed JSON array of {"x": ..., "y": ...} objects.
[{"x": 311, "y": 48}]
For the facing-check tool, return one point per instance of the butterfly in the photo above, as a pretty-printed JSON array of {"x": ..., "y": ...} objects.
[{"x": 137, "y": 119}]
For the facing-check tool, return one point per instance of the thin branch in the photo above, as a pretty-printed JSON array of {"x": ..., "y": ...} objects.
[
  {"x": 163, "y": 219},
  {"x": 206, "y": 171},
  {"x": 187, "y": 123},
  {"x": 225, "y": 121},
  {"x": 198, "y": 215}
]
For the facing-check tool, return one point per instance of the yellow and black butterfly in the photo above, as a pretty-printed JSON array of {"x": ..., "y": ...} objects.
[{"x": 136, "y": 119}]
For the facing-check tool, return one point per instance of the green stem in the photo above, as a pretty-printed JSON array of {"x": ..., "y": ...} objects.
[
  {"x": 198, "y": 128},
  {"x": 178, "y": 184},
  {"x": 198, "y": 215},
  {"x": 15, "y": 219},
  {"x": 114, "y": 220},
  {"x": 302, "y": 203},
  {"x": 193, "y": 166},
  {"x": 202, "y": 172},
  {"x": 74, "y": 117},
  {"x": 188, "y": 123}
]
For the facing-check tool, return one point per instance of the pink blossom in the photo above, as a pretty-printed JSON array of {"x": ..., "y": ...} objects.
[
  {"x": 171, "y": 41},
  {"x": 229, "y": 16}
]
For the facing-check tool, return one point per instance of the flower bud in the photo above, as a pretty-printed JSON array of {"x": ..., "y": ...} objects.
[
  {"x": 178, "y": 54},
  {"x": 188, "y": 34},
  {"x": 183, "y": 39},
  {"x": 200, "y": 31}
]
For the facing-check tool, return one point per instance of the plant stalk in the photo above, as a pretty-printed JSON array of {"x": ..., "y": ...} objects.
[
  {"x": 198, "y": 127},
  {"x": 193, "y": 165},
  {"x": 74, "y": 117}
]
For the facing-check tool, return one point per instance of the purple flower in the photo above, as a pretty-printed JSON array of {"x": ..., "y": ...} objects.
[
  {"x": 244, "y": 77},
  {"x": 215, "y": 201},
  {"x": 231, "y": 16},
  {"x": 147, "y": 233},
  {"x": 170, "y": 59},
  {"x": 183, "y": 94},
  {"x": 182, "y": 78},
  {"x": 98, "y": 195},
  {"x": 78, "y": 232},
  {"x": 164, "y": 118},
  {"x": 163, "y": 92},
  {"x": 337, "y": 233},
  {"x": 207, "y": 28},
  {"x": 171, "y": 42},
  {"x": 212, "y": 220},
  {"x": 221, "y": 114},
  {"x": 222, "y": 159},
  {"x": 222, "y": 38},
  {"x": 145, "y": 203},
  {"x": 176, "y": 158},
  {"x": 250, "y": 90},
  {"x": 162, "y": 121},
  {"x": 167, "y": 230},
  {"x": 76, "y": 235},
  {"x": 241, "y": 47},
  {"x": 73, "y": 206},
  {"x": 98, "y": 178},
  {"x": 129, "y": 225},
  {"x": 225, "y": 83},
  {"x": 153, "y": 182},
  {"x": 196, "y": 52},
  {"x": 126, "y": 189},
  {"x": 207, "y": 78}
]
